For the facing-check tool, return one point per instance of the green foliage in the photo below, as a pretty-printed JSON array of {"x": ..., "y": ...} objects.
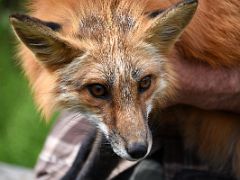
[{"x": 22, "y": 132}]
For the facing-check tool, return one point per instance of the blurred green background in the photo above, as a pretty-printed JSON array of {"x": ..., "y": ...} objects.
[{"x": 22, "y": 131}]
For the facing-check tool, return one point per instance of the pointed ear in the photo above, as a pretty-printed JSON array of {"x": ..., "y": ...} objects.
[
  {"x": 41, "y": 38},
  {"x": 167, "y": 26}
]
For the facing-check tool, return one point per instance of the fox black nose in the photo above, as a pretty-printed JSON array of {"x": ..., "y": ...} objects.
[{"x": 137, "y": 150}]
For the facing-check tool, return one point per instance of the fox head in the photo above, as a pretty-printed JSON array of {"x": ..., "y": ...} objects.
[{"x": 112, "y": 67}]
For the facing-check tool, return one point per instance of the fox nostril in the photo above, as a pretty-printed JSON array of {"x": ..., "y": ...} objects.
[{"x": 137, "y": 150}]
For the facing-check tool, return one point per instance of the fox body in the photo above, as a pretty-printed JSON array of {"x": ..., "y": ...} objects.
[{"x": 111, "y": 61}]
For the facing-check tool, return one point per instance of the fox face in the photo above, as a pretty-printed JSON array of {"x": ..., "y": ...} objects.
[
  {"x": 113, "y": 69},
  {"x": 116, "y": 91}
]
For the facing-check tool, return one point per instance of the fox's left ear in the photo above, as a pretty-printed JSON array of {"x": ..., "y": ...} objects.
[
  {"x": 51, "y": 49},
  {"x": 169, "y": 25}
]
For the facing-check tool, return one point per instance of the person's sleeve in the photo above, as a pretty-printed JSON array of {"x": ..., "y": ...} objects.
[{"x": 62, "y": 146}]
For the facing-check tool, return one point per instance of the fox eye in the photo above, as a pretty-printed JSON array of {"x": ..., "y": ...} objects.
[
  {"x": 144, "y": 84},
  {"x": 98, "y": 90}
]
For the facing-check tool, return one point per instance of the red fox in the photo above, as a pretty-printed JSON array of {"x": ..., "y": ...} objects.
[{"x": 111, "y": 61}]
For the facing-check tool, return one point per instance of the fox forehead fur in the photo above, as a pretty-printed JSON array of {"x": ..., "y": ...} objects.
[{"x": 115, "y": 54}]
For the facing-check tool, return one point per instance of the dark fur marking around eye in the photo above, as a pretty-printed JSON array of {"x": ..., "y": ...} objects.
[{"x": 136, "y": 74}]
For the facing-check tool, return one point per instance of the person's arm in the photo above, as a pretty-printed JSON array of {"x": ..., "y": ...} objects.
[
  {"x": 70, "y": 134},
  {"x": 206, "y": 87}
]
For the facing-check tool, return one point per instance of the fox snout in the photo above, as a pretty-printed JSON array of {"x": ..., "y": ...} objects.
[
  {"x": 130, "y": 136},
  {"x": 131, "y": 150}
]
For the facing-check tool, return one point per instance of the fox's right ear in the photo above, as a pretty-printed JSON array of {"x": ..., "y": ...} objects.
[
  {"x": 168, "y": 25},
  {"x": 50, "y": 48}
]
